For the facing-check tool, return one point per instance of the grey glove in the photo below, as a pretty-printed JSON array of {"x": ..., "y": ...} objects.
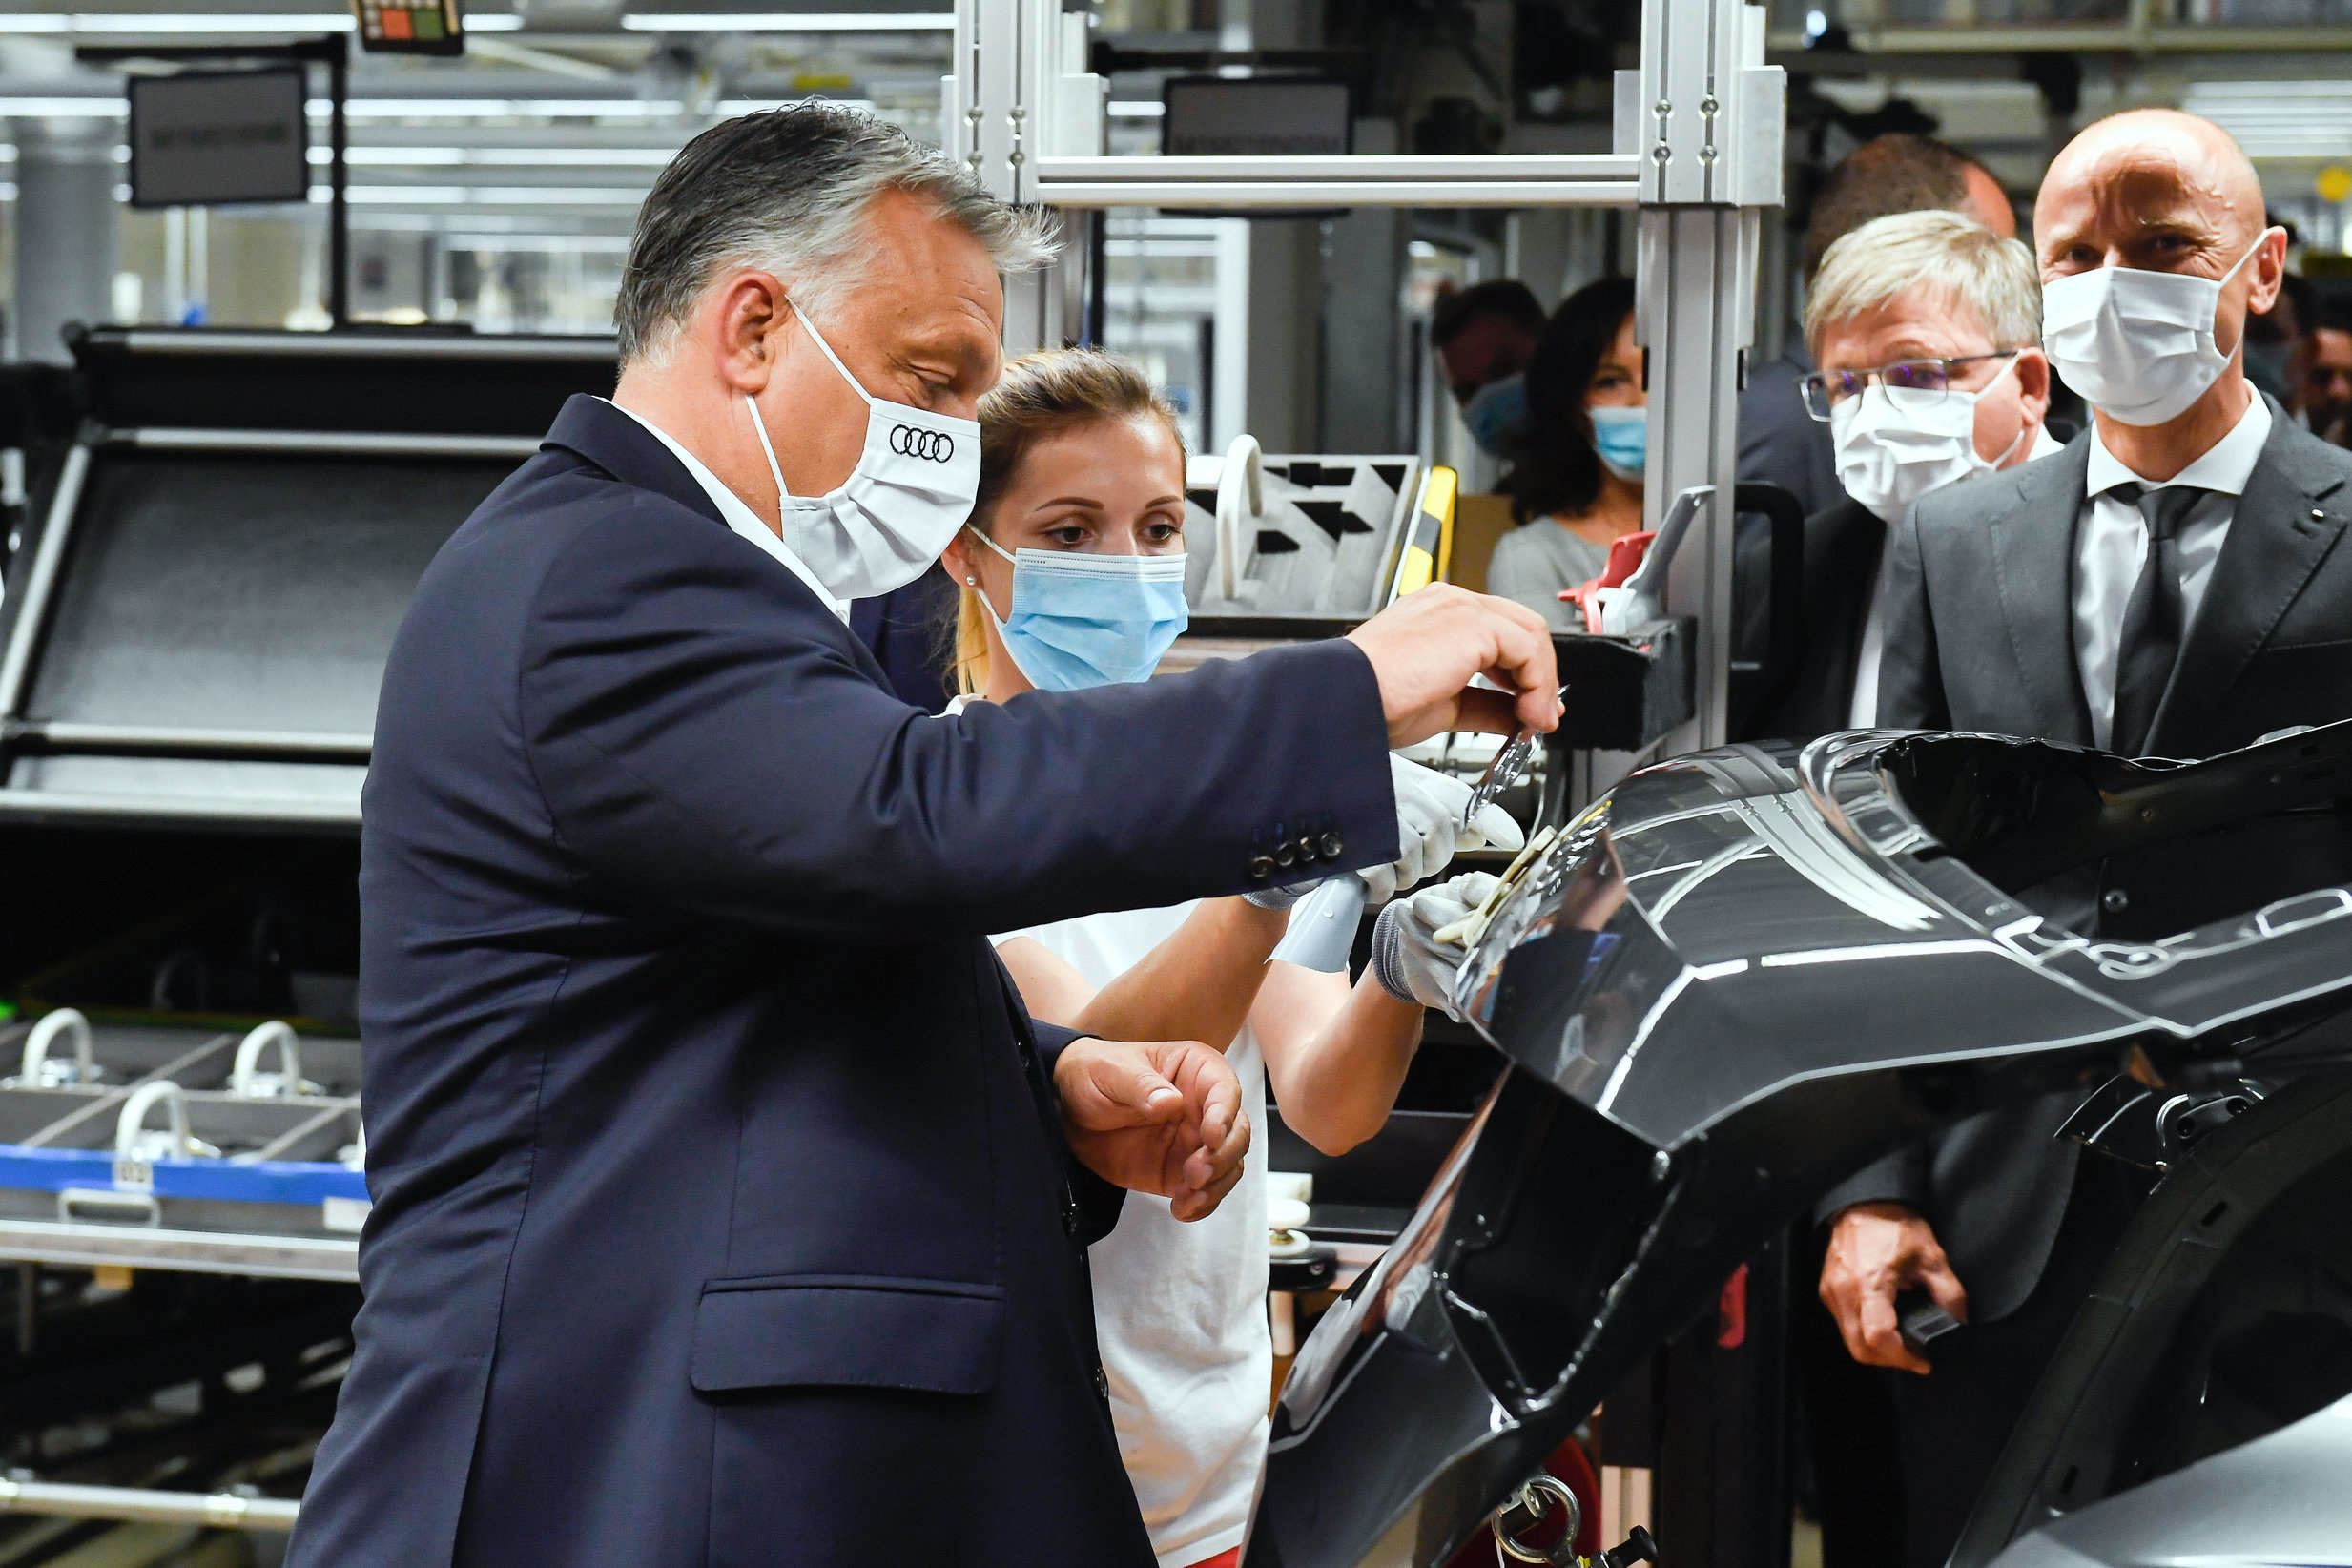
[
  {"x": 1280, "y": 898},
  {"x": 1408, "y": 961}
]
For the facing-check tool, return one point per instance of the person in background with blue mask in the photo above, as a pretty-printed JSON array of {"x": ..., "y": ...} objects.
[
  {"x": 1579, "y": 490},
  {"x": 1073, "y": 571},
  {"x": 1485, "y": 337}
]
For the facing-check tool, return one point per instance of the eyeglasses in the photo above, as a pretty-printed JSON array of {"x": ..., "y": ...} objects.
[{"x": 1921, "y": 378}]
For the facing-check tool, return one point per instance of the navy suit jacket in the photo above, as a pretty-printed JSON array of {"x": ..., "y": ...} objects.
[{"x": 722, "y": 1213}]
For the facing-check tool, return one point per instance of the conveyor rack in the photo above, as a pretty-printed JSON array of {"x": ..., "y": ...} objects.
[{"x": 143, "y": 1147}]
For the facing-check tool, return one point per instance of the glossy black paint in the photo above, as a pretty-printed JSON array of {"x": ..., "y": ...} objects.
[{"x": 1736, "y": 978}]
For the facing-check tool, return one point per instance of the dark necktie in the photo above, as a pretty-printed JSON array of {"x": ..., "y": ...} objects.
[{"x": 2149, "y": 645}]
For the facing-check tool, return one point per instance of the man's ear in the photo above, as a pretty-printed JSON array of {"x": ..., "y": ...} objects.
[
  {"x": 744, "y": 315},
  {"x": 2033, "y": 375},
  {"x": 2269, "y": 271}
]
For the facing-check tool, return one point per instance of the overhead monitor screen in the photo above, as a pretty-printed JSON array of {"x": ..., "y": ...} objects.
[
  {"x": 1267, "y": 117},
  {"x": 202, "y": 138},
  {"x": 410, "y": 27}
]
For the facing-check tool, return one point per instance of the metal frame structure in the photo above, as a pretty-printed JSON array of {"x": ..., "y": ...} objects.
[{"x": 1696, "y": 151}]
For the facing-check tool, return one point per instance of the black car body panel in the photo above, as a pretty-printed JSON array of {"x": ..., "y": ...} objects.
[{"x": 1738, "y": 978}]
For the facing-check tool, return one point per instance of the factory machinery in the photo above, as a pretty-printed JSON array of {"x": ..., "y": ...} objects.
[{"x": 195, "y": 621}]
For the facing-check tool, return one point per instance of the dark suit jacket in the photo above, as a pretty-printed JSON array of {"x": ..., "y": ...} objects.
[
  {"x": 1843, "y": 545},
  {"x": 1980, "y": 637},
  {"x": 905, "y": 630},
  {"x": 722, "y": 1211},
  {"x": 1780, "y": 442}
]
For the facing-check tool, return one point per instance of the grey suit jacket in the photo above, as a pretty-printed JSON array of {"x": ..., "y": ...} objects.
[{"x": 1980, "y": 636}]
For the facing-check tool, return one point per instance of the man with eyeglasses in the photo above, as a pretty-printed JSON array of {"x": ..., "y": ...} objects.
[
  {"x": 2176, "y": 583},
  {"x": 1924, "y": 325}
]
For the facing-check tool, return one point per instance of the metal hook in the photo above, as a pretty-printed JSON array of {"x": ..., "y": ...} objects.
[
  {"x": 1536, "y": 1497},
  {"x": 39, "y": 1072},
  {"x": 1241, "y": 481}
]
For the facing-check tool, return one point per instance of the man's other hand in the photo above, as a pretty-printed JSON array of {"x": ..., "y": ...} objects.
[
  {"x": 1163, "y": 1117},
  {"x": 1876, "y": 1252},
  {"x": 1425, "y": 647}
]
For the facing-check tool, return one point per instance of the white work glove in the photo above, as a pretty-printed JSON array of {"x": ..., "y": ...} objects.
[
  {"x": 1407, "y": 958},
  {"x": 1430, "y": 831}
]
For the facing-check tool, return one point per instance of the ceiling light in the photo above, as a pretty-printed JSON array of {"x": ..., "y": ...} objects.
[
  {"x": 150, "y": 24},
  {"x": 794, "y": 21},
  {"x": 1137, "y": 109}
]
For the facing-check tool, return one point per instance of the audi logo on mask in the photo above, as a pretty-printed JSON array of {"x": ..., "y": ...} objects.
[{"x": 935, "y": 445}]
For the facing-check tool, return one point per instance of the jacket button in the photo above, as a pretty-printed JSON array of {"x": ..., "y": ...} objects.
[
  {"x": 1101, "y": 1385},
  {"x": 1069, "y": 1211},
  {"x": 1332, "y": 847},
  {"x": 1261, "y": 867},
  {"x": 2114, "y": 900},
  {"x": 1286, "y": 854},
  {"x": 1307, "y": 850}
]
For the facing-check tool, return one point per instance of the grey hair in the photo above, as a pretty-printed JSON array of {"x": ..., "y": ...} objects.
[
  {"x": 1949, "y": 257},
  {"x": 786, "y": 191}
]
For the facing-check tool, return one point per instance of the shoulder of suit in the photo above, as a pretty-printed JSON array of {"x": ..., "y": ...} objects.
[
  {"x": 2321, "y": 461},
  {"x": 1969, "y": 501},
  {"x": 569, "y": 532}
]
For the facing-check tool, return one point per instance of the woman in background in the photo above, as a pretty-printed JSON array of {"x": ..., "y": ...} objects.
[
  {"x": 1072, "y": 576},
  {"x": 1579, "y": 488}
]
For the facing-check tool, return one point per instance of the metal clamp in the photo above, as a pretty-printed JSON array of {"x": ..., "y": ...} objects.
[
  {"x": 39, "y": 1072},
  {"x": 246, "y": 1083},
  {"x": 1534, "y": 1499},
  {"x": 137, "y": 1146},
  {"x": 1241, "y": 482}
]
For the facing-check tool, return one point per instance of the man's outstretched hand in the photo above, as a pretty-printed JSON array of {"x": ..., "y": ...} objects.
[
  {"x": 1163, "y": 1117},
  {"x": 1425, "y": 647},
  {"x": 1876, "y": 1252}
]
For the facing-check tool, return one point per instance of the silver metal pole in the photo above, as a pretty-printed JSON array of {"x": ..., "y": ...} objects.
[{"x": 217, "y": 1510}]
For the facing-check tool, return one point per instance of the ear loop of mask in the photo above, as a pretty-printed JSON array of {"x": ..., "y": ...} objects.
[
  {"x": 980, "y": 589},
  {"x": 2023, "y": 424},
  {"x": 759, "y": 426}
]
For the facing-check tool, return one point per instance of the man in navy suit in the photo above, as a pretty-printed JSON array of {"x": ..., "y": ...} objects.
[{"x": 728, "y": 1207}]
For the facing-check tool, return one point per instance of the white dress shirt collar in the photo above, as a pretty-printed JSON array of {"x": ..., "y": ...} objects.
[
  {"x": 740, "y": 518},
  {"x": 2224, "y": 467}
]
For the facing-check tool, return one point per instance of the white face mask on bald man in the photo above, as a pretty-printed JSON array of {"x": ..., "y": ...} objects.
[
  {"x": 2137, "y": 345},
  {"x": 882, "y": 527}
]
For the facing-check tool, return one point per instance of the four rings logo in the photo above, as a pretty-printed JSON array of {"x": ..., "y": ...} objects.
[{"x": 908, "y": 442}]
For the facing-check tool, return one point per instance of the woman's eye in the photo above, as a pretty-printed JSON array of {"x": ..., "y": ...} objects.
[
  {"x": 1161, "y": 533},
  {"x": 1069, "y": 536}
]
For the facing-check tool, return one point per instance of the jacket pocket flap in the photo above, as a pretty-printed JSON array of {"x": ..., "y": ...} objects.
[{"x": 932, "y": 1338}]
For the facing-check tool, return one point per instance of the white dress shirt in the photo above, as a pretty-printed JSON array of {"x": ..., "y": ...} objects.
[
  {"x": 1863, "y": 712},
  {"x": 741, "y": 518},
  {"x": 2111, "y": 544}
]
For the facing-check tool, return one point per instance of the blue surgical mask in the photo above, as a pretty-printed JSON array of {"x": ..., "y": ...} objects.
[
  {"x": 1622, "y": 436},
  {"x": 1079, "y": 621},
  {"x": 1497, "y": 415}
]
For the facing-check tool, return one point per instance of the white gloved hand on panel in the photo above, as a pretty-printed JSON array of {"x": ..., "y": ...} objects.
[{"x": 1430, "y": 831}]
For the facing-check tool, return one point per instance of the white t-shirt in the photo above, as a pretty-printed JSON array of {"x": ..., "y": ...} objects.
[{"x": 1180, "y": 1309}]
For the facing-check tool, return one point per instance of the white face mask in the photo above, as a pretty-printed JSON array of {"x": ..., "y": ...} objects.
[
  {"x": 912, "y": 489},
  {"x": 2137, "y": 345},
  {"x": 1894, "y": 445}
]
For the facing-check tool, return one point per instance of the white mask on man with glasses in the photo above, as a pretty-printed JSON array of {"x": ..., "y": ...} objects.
[{"x": 1905, "y": 430}]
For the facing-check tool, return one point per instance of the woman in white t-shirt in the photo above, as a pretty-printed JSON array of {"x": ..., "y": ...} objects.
[{"x": 1072, "y": 576}]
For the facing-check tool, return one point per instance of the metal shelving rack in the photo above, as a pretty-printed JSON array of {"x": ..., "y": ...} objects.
[{"x": 1697, "y": 153}]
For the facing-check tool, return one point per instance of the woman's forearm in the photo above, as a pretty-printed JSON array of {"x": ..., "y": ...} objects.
[
  {"x": 1198, "y": 985},
  {"x": 1335, "y": 1070}
]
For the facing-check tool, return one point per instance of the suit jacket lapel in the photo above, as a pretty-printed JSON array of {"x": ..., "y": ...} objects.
[
  {"x": 2282, "y": 529},
  {"x": 2033, "y": 549}
]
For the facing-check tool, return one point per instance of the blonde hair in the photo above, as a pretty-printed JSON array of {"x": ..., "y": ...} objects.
[
  {"x": 1041, "y": 395},
  {"x": 1947, "y": 256}
]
